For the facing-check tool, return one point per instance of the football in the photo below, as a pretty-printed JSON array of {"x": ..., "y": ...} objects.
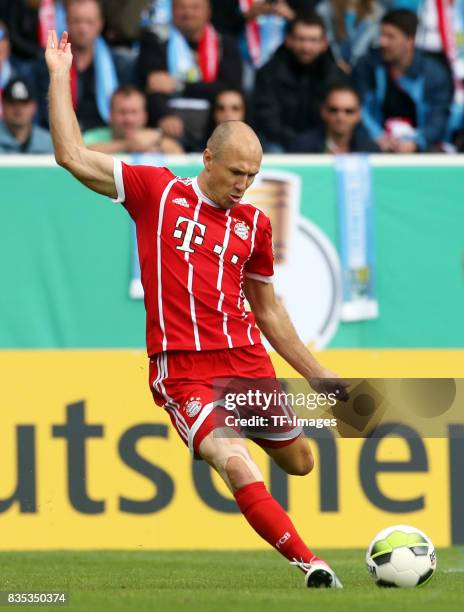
[{"x": 401, "y": 556}]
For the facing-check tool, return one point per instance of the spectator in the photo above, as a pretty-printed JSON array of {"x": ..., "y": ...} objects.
[
  {"x": 438, "y": 28},
  {"x": 96, "y": 73},
  {"x": 18, "y": 134},
  {"x": 127, "y": 132},
  {"x": 342, "y": 131},
  {"x": 23, "y": 22},
  {"x": 228, "y": 105},
  {"x": 230, "y": 16},
  {"x": 259, "y": 25},
  {"x": 194, "y": 63},
  {"x": 264, "y": 28},
  {"x": 441, "y": 34},
  {"x": 9, "y": 67},
  {"x": 352, "y": 27},
  {"x": 29, "y": 21},
  {"x": 291, "y": 86},
  {"x": 122, "y": 21},
  {"x": 405, "y": 94}
]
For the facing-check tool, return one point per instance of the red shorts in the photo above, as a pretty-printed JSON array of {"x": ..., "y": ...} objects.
[{"x": 185, "y": 384}]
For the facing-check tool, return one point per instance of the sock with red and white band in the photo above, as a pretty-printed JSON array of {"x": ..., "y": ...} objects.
[{"x": 271, "y": 522}]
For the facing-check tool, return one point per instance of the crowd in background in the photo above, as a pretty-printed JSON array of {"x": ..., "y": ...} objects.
[{"x": 327, "y": 76}]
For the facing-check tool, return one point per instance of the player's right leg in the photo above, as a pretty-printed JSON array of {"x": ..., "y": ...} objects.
[
  {"x": 295, "y": 458},
  {"x": 229, "y": 456}
]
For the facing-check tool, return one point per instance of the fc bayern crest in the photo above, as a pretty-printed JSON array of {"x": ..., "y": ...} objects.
[
  {"x": 241, "y": 229},
  {"x": 193, "y": 406}
]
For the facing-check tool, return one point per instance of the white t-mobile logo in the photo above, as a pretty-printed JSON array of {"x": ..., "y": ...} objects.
[{"x": 192, "y": 227}]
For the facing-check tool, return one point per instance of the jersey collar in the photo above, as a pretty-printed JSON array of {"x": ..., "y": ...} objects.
[{"x": 200, "y": 195}]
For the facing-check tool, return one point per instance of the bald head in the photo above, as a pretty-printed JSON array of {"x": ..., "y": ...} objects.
[
  {"x": 234, "y": 137},
  {"x": 232, "y": 159}
]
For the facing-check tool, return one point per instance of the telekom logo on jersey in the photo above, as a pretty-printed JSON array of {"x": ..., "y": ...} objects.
[
  {"x": 189, "y": 230},
  {"x": 190, "y": 226}
]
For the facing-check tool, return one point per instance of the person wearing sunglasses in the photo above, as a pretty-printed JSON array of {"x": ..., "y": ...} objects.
[{"x": 341, "y": 130}]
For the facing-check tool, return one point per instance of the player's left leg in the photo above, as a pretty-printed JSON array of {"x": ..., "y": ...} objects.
[{"x": 294, "y": 458}]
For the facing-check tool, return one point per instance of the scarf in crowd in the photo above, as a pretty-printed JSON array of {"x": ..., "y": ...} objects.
[
  {"x": 106, "y": 79},
  {"x": 5, "y": 75},
  {"x": 450, "y": 15},
  {"x": 182, "y": 64},
  {"x": 262, "y": 35},
  {"x": 52, "y": 16},
  {"x": 357, "y": 240}
]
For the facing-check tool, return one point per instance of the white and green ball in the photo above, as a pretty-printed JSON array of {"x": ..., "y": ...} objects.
[{"x": 401, "y": 556}]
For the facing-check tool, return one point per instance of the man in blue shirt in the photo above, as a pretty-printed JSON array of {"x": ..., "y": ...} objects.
[
  {"x": 17, "y": 132},
  {"x": 405, "y": 94}
]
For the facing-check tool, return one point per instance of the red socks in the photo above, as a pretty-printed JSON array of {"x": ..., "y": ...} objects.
[{"x": 271, "y": 522}]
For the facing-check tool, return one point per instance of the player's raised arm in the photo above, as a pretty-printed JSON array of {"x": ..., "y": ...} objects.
[
  {"x": 274, "y": 322},
  {"x": 95, "y": 170}
]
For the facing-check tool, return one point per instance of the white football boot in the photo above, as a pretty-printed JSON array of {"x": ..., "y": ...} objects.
[{"x": 318, "y": 574}]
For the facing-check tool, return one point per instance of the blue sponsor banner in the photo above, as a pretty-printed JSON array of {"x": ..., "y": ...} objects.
[{"x": 355, "y": 213}]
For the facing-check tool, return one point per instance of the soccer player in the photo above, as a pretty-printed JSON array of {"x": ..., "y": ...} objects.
[{"x": 201, "y": 252}]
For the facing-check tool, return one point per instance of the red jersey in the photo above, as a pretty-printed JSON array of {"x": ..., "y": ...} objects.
[{"x": 193, "y": 258}]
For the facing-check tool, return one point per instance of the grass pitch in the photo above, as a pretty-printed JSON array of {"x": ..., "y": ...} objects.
[{"x": 212, "y": 581}]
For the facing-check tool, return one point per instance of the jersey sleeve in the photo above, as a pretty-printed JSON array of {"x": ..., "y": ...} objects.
[
  {"x": 260, "y": 265},
  {"x": 134, "y": 185}
]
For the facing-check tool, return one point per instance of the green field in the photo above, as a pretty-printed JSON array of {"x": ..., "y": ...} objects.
[{"x": 212, "y": 581}]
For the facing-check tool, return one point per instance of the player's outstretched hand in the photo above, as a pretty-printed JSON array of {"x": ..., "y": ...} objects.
[
  {"x": 329, "y": 382},
  {"x": 58, "y": 54}
]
